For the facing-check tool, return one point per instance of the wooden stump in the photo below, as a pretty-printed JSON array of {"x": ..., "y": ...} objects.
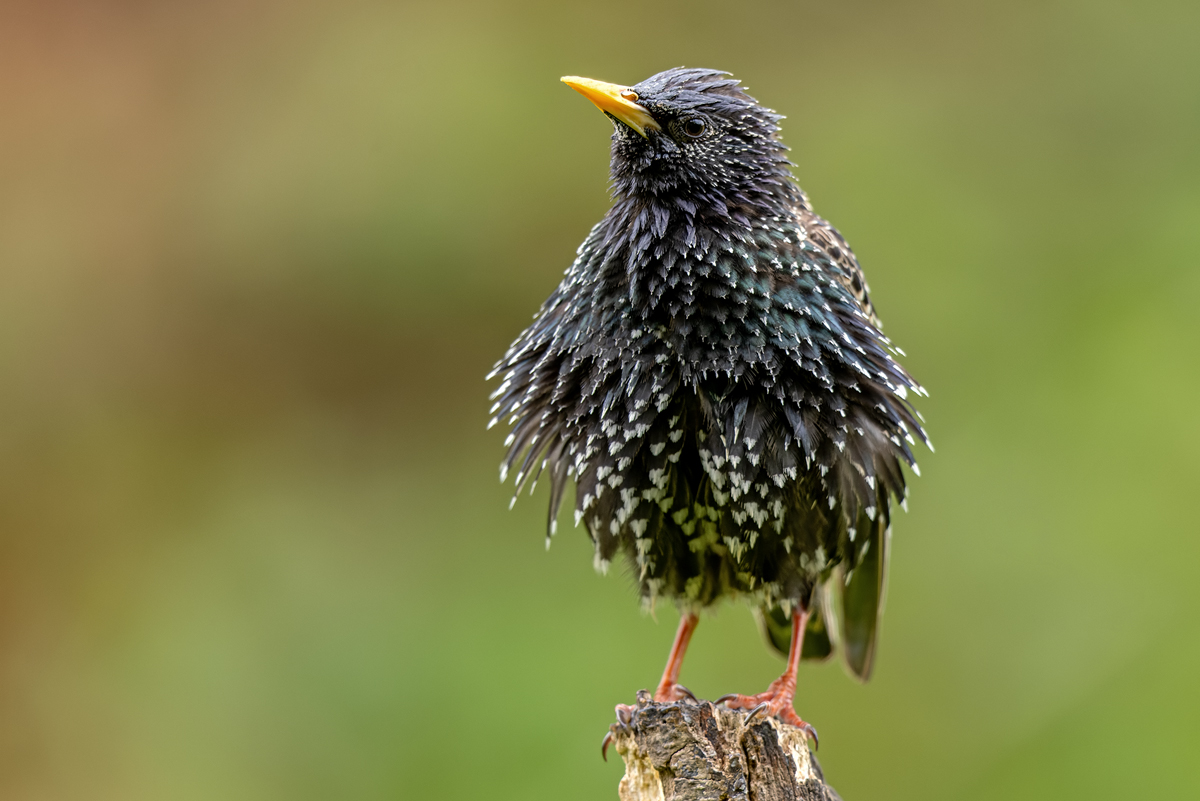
[{"x": 695, "y": 751}]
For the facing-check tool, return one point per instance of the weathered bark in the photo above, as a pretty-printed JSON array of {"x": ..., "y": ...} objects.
[{"x": 695, "y": 751}]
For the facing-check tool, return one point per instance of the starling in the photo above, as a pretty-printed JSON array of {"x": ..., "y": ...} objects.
[{"x": 712, "y": 375}]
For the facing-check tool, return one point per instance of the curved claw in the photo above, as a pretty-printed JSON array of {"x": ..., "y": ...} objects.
[
  {"x": 811, "y": 732},
  {"x": 604, "y": 746},
  {"x": 754, "y": 712},
  {"x": 690, "y": 695},
  {"x": 726, "y": 697}
]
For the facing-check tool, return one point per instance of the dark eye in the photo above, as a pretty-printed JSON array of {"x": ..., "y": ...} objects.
[{"x": 694, "y": 127}]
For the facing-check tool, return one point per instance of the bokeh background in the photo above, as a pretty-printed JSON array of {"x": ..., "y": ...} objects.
[{"x": 256, "y": 258}]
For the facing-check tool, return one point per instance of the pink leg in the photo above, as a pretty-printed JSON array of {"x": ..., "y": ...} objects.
[
  {"x": 777, "y": 700},
  {"x": 669, "y": 688}
]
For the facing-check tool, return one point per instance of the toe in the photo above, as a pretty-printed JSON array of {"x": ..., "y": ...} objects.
[{"x": 738, "y": 701}]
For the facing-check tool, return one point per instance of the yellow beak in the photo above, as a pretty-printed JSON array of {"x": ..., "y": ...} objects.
[{"x": 615, "y": 100}]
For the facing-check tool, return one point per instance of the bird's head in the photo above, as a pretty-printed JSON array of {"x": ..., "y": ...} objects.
[{"x": 689, "y": 132}]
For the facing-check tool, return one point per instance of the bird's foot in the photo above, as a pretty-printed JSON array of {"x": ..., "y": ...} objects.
[
  {"x": 625, "y": 716},
  {"x": 670, "y": 692},
  {"x": 775, "y": 702}
]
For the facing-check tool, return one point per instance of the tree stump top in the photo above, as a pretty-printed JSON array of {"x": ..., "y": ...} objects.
[{"x": 696, "y": 751}]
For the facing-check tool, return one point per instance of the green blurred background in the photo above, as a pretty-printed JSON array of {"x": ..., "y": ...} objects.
[{"x": 256, "y": 258}]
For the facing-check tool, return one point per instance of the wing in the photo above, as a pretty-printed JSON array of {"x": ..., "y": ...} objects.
[{"x": 826, "y": 237}]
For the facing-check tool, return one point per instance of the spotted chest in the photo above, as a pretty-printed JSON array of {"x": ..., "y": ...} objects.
[
  {"x": 727, "y": 419},
  {"x": 706, "y": 511}
]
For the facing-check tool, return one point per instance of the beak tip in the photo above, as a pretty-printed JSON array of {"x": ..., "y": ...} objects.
[{"x": 615, "y": 100}]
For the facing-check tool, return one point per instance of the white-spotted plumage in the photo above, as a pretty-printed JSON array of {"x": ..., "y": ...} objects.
[{"x": 711, "y": 371}]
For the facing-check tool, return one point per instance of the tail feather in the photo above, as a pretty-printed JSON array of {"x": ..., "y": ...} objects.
[
  {"x": 776, "y": 628},
  {"x": 862, "y": 597}
]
